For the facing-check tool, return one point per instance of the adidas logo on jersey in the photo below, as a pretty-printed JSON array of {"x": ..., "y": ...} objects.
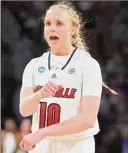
[{"x": 54, "y": 76}]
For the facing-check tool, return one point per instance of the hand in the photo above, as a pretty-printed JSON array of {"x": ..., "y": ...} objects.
[
  {"x": 49, "y": 89},
  {"x": 29, "y": 141}
]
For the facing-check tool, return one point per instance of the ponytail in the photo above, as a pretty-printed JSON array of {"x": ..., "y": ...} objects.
[{"x": 111, "y": 90}]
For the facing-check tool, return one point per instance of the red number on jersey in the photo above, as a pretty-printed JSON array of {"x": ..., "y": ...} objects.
[{"x": 52, "y": 113}]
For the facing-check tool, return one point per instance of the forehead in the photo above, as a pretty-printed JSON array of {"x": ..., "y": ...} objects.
[{"x": 57, "y": 14}]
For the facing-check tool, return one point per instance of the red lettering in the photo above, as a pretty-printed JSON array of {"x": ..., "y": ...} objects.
[
  {"x": 53, "y": 114},
  {"x": 66, "y": 93},
  {"x": 59, "y": 93},
  {"x": 62, "y": 93},
  {"x": 72, "y": 94},
  {"x": 43, "y": 106}
]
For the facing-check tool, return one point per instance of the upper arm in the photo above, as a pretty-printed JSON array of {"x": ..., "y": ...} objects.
[
  {"x": 89, "y": 108},
  {"x": 25, "y": 91}
]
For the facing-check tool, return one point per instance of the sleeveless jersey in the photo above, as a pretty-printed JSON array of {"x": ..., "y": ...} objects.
[{"x": 78, "y": 73}]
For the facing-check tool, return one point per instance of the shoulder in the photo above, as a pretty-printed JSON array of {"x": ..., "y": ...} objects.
[
  {"x": 38, "y": 59},
  {"x": 32, "y": 62},
  {"x": 91, "y": 62},
  {"x": 92, "y": 66},
  {"x": 82, "y": 54},
  {"x": 87, "y": 61},
  {"x": 44, "y": 55}
]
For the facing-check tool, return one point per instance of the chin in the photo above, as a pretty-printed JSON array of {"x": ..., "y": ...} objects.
[{"x": 54, "y": 45}]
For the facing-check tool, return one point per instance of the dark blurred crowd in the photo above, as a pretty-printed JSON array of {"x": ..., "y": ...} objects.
[{"x": 106, "y": 34}]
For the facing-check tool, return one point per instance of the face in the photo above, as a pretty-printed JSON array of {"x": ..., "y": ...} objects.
[
  {"x": 57, "y": 28},
  {"x": 25, "y": 126},
  {"x": 10, "y": 125}
]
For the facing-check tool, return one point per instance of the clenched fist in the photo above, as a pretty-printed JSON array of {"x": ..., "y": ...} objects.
[{"x": 49, "y": 89}]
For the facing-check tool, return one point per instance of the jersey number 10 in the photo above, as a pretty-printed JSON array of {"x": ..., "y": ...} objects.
[{"x": 51, "y": 113}]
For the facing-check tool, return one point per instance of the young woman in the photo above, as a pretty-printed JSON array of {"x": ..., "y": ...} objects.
[{"x": 62, "y": 89}]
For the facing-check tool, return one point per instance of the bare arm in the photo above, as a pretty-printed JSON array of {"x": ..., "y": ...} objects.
[
  {"x": 87, "y": 114},
  {"x": 84, "y": 120},
  {"x": 28, "y": 101},
  {"x": 28, "y": 98}
]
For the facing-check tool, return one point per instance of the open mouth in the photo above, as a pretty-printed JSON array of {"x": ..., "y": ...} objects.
[{"x": 52, "y": 38}]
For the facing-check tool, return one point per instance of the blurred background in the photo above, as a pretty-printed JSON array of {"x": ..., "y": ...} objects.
[{"x": 106, "y": 35}]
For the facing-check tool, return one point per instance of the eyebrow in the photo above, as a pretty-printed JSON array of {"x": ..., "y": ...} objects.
[{"x": 56, "y": 20}]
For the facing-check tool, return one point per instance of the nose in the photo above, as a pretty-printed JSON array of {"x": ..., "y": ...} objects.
[{"x": 53, "y": 27}]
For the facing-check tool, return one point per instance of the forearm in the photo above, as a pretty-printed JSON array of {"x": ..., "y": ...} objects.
[
  {"x": 71, "y": 126},
  {"x": 29, "y": 99},
  {"x": 29, "y": 104}
]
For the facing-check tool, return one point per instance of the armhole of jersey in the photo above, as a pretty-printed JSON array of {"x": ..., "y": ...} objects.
[
  {"x": 82, "y": 68},
  {"x": 33, "y": 71}
]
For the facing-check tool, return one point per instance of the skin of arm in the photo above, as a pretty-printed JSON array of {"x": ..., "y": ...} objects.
[
  {"x": 85, "y": 119},
  {"x": 29, "y": 99},
  {"x": 88, "y": 110}
]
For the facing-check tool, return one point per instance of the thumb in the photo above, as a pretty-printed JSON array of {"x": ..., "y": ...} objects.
[{"x": 60, "y": 87}]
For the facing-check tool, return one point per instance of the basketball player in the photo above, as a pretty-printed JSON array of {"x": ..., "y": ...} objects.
[{"x": 62, "y": 89}]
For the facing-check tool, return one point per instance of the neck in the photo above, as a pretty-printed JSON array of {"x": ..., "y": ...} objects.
[{"x": 62, "y": 51}]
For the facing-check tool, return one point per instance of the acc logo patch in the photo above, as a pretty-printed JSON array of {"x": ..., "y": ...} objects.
[
  {"x": 41, "y": 69},
  {"x": 71, "y": 70}
]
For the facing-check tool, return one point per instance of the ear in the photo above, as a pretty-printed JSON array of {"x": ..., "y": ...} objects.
[{"x": 72, "y": 30}]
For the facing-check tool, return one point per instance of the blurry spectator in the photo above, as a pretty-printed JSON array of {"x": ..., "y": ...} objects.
[
  {"x": 15, "y": 103},
  {"x": 22, "y": 54},
  {"x": 125, "y": 140},
  {"x": 25, "y": 128},
  {"x": 9, "y": 137},
  {"x": 9, "y": 143},
  {"x": 115, "y": 64},
  {"x": 112, "y": 140},
  {"x": 85, "y": 5},
  {"x": 40, "y": 6},
  {"x": 10, "y": 27}
]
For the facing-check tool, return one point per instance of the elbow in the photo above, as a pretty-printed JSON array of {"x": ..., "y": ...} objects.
[
  {"x": 89, "y": 124},
  {"x": 22, "y": 112},
  {"x": 24, "y": 115}
]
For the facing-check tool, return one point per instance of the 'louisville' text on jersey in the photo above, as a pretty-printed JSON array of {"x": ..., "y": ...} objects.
[{"x": 62, "y": 93}]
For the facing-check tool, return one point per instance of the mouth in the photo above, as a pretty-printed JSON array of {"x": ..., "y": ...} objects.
[{"x": 53, "y": 38}]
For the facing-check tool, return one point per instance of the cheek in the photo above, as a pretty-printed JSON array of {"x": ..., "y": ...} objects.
[
  {"x": 65, "y": 32},
  {"x": 46, "y": 33}
]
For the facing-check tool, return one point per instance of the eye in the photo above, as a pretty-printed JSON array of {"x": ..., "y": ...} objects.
[
  {"x": 59, "y": 23},
  {"x": 47, "y": 23}
]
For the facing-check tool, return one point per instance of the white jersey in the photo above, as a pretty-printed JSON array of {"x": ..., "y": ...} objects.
[{"x": 78, "y": 73}]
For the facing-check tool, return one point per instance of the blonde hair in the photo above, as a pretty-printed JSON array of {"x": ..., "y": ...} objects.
[
  {"x": 77, "y": 38},
  {"x": 76, "y": 20}
]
